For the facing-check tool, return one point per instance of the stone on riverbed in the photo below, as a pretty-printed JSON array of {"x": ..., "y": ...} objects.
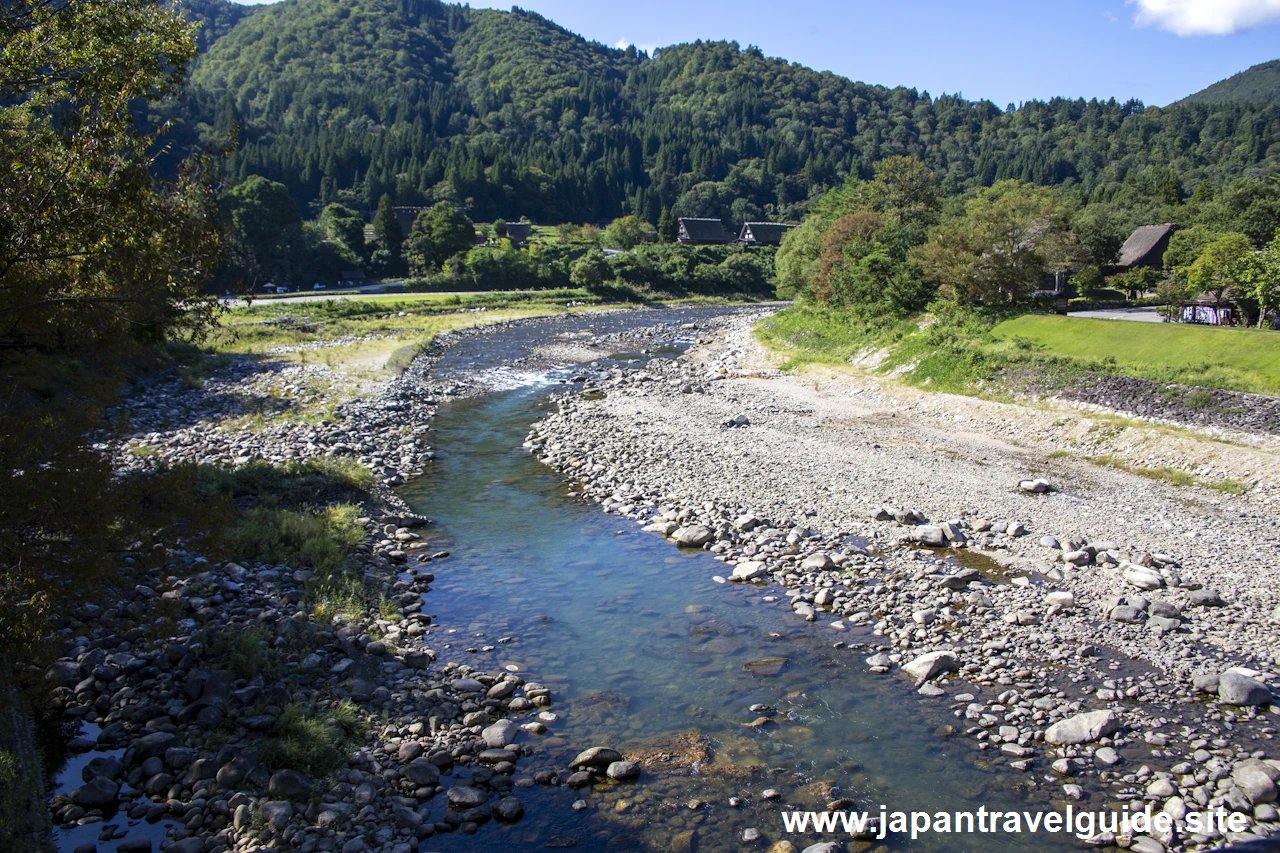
[
  {"x": 1143, "y": 578},
  {"x": 597, "y": 756},
  {"x": 932, "y": 664},
  {"x": 1036, "y": 486},
  {"x": 466, "y": 797},
  {"x": 693, "y": 536},
  {"x": 622, "y": 770},
  {"x": 1237, "y": 689},
  {"x": 97, "y": 793},
  {"x": 818, "y": 562},
  {"x": 500, "y": 734},
  {"x": 1083, "y": 728},
  {"x": 749, "y": 571}
]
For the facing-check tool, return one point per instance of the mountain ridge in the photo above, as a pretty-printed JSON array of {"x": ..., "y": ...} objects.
[
  {"x": 507, "y": 113},
  {"x": 1259, "y": 84}
]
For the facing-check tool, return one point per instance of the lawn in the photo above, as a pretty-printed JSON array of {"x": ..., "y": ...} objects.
[{"x": 1237, "y": 359}]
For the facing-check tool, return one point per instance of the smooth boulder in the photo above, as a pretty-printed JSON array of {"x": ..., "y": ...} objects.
[
  {"x": 1237, "y": 689},
  {"x": 500, "y": 734},
  {"x": 1083, "y": 728},
  {"x": 599, "y": 757},
  {"x": 930, "y": 665},
  {"x": 693, "y": 536}
]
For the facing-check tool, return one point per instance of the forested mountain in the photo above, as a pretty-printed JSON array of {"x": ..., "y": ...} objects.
[
  {"x": 507, "y": 114},
  {"x": 216, "y": 17},
  {"x": 1257, "y": 85}
]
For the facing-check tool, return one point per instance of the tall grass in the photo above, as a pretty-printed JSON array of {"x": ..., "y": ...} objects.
[{"x": 313, "y": 741}]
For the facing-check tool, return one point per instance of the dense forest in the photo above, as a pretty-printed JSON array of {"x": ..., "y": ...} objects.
[
  {"x": 1257, "y": 85},
  {"x": 505, "y": 114}
]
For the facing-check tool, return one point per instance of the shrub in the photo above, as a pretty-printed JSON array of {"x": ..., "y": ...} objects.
[
  {"x": 313, "y": 741},
  {"x": 243, "y": 652},
  {"x": 319, "y": 539}
]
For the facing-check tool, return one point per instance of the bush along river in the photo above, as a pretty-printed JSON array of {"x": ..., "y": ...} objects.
[{"x": 548, "y": 668}]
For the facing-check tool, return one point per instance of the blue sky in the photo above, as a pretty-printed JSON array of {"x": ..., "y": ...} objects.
[{"x": 1154, "y": 50}]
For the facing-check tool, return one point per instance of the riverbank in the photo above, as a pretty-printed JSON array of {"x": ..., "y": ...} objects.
[
  {"x": 909, "y": 526},
  {"x": 306, "y": 700}
]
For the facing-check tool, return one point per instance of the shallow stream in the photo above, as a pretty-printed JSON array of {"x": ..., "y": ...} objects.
[{"x": 643, "y": 650}]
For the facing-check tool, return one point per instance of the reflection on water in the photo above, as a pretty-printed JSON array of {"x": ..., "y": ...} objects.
[{"x": 643, "y": 651}]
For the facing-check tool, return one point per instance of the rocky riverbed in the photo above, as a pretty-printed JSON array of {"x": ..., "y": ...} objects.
[
  {"x": 191, "y": 682},
  {"x": 1112, "y": 636}
]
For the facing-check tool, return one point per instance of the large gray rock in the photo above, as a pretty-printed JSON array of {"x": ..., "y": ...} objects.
[
  {"x": 1257, "y": 780},
  {"x": 1237, "y": 689},
  {"x": 622, "y": 770},
  {"x": 930, "y": 535},
  {"x": 818, "y": 562},
  {"x": 155, "y": 744},
  {"x": 289, "y": 785},
  {"x": 508, "y": 809},
  {"x": 693, "y": 536},
  {"x": 1143, "y": 578},
  {"x": 500, "y": 734},
  {"x": 277, "y": 813},
  {"x": 597, "y": 756},
  {"x": 1206, "y": 598},
  {"x": 1083, "y": 728},
  {"x": 99, "y": 792},
  {"x": 466, "y": 797},
  {"x": 749, "y": 570},
  {"x": 1126, "y": 613},
  {"x": 422, "y": 772},
  {"x": 930, "y": 665}
]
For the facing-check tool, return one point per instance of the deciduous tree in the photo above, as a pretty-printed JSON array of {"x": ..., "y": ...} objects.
[{"x": 1010, "y": 235}]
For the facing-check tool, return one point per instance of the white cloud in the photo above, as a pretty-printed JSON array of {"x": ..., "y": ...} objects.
[
  {"x": 1206, "y": 17},
  {"x": 623, "y": 43}
]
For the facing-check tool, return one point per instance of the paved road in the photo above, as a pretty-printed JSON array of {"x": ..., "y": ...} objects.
[
  {"x": 1141, "y": 315},
  {"x": 373, "y": 291}
]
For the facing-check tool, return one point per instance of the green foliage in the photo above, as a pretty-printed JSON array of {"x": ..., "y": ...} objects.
[
  {"x": 591, "y": 271},
  {"x": 345, "y": 226},
  {"x": 503, "y": 111},
  {"x": 1009, "y": 237},
  {"x": 437, "y": 235},
  {"x": 321, "y": 539},
  {"x": 1257, "y": 85},
  {"x": 312, "y": 740},
  {"x": 1223, "y": 265},
  {"x": 97, "y": 252},
  {"x": 853, "y": 251},
  {"x": 1262, "y": 275},
  {"x": 627, "y": 232},
  {"x": 243, "y": 652},
  {"x": 266, "y": 231},
  {"x": 386, "y": 228}
]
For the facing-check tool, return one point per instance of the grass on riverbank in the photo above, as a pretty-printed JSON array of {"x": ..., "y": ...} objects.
[{"x": 958, "y": 350}]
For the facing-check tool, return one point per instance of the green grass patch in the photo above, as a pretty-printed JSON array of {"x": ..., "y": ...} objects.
[
  {"x": 244, "y": 652},
  {"x": 1172, "y": 476},
  {"x": 320, "y": 539},
  {"x": 1229, "y": 486},
  {"x": 313, "y": 741},
  {"x": 1234, "y": 359},
  {"x": 959, "y": 349}
]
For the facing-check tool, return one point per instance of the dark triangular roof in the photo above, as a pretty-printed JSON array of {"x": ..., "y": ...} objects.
[
  {"x": 1142, "y": 241},
  {"x": 702, "y": 231},
  {"x": 767, "y": 233},
  {"x": 519, "y": 229}
]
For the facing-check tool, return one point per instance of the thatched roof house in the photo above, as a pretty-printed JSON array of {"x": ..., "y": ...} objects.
[
  {"x": 1145, "y": 247},
  {"x": 702, "y": 232},
  {"x": 763, "y": 233},
  {"x": 519, "y": 232}
]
